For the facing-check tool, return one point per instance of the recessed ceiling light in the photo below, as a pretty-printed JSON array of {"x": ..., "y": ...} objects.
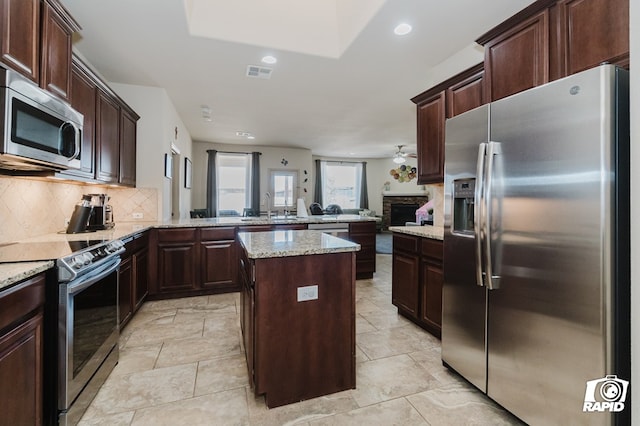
[
  {"x": 402, "y": 29},
  {"x": 251, "y": 137},
  {"x": 247, "y": 135},
  {"x": 269, "y": 60}
]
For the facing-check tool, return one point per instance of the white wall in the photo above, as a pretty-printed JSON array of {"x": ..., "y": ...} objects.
[
  {"x": 156, "y": 133},
  {"x": 634, "y": 28},
  {"x": 298, "y": 160}
]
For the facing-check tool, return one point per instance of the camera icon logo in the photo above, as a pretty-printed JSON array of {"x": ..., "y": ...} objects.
[{"x": 606, "y": 394}]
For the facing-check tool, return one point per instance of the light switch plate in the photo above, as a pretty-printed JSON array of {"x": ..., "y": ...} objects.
[{"x": 306, "y": 293}]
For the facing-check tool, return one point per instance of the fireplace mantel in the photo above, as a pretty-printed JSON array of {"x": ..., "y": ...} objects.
[{"x": 414, "y": 193}]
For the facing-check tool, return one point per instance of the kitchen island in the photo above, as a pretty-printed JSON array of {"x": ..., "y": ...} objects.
[{"x": 298, "y": 313}]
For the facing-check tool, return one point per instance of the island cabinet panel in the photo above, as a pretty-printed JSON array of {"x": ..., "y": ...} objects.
[
  {"x": 21, "y": 353},
  {"x": 247, "y": 310},
  {"x": 301, "y": 349},
  {"x": 417, "y": 279},
  {"x": 518, "y": 59},
  {"x": 219, "y": 259},
  {"x": 364, "y": 233}
]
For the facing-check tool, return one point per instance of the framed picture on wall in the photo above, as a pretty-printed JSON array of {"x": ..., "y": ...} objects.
[
  {"x": 168, "y": 165},
  {"x": 187, "y": 173}
]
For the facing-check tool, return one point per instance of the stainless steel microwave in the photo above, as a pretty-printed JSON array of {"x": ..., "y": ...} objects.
[{"x": 40, "y": 131}]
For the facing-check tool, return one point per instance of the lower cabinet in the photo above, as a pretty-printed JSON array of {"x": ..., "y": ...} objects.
[
  {"x": 218, "y": 259},
  {"x": 133, "y": 277},
  {"x": 364, "y": 233},
  {"x": 417, "y": 280},
  {"x": 21, "y": 353}
]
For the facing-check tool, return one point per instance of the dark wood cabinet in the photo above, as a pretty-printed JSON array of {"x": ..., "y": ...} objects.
[
  {"x": 299, "y": 349},
  {"x": 36, "y": 42},
  {"x": 468, "y": 93},
  {"x": 364, "y": 233},
  {"x": 133, "y": 284},
  {"x": 431, "y": 280},
  {"x": 589, "y": 32},
  {"x": 219, "y": 259},
  {"x": 406, "y": 270},
  {"x": 177, "y": 260},
  {"x": 127, "y": 174},
  {"x": 56, "y": 52},
  {"x": 518, "y": 58},
  {"x": 551, "y": 39},
  {"x": 431, "y": 118},
  {"x": 125, "y": 289},
  {"x": 21, "y": 352},
  {"x": 107, "y": 138},
  {"x": 454, "y": 96},
  {"x": 20, "y": 32},
  {"x": 83, "y": 100},
  {"x": 417, "y": 280}
]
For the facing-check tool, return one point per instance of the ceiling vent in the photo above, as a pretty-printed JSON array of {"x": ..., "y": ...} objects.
[{"x": 256, "y": 71}]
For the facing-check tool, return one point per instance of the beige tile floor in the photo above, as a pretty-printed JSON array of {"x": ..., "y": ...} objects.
[{"x": 182, "y": 363}]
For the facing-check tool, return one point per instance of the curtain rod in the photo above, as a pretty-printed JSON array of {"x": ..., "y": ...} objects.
[
  {"x": 231, "y": 152},
  {"x": 340, "y": 161}
]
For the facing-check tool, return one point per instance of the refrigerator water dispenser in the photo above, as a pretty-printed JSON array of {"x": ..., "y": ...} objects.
[{"x": 463, "y": 205}]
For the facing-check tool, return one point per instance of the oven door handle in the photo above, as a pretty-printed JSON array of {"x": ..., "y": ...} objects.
[{"x": 92, "y": 277}]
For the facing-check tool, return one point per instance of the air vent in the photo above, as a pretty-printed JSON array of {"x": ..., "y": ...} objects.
[{"x": 256, "y": 71}]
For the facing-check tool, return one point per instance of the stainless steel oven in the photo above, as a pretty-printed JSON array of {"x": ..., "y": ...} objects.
[{"x": 87, "y": 326}]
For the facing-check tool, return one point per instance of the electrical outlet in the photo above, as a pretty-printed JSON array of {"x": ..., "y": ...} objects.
[
  {"x": 138, "y": 215},
  {"x": 306, "y": 293},
  {"x": 66, "y": 221}
]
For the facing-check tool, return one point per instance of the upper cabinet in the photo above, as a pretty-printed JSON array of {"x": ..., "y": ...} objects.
[
  {"x": 588, "y": 33},
  {"x": 83, "y": 100},
  {"x": 551, "y": 39},
  {"x": 20, "y": 29},
  {"x": 454, "y": 96},
  {"x": 518, "y": 58},
  {"x": 128, "y": 119},
  {"x": 36, "y": 42},
  {"x": 547, "y": 40}
]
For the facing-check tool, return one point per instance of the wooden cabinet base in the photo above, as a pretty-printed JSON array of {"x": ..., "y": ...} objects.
[{"x": 302, "y": 349}]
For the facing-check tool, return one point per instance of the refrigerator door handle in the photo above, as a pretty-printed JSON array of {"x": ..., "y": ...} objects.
[
  {"x": 492, "y": 281},
  {"x": 478, "y": 225}
]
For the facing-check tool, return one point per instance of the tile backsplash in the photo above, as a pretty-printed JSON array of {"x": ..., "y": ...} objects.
[{"x": 31, "y": 207}]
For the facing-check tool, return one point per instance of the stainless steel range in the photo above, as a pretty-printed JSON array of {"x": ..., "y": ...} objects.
[
  {"x": 87, "y": 325},
  {"x": 81, "y": 321}
]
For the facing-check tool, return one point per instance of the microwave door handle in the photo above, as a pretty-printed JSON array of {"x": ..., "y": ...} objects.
[
  {"x": 76, "y": 138},
  {"x": 492, "y": 280},
  {"x": 478, "y": 225}
]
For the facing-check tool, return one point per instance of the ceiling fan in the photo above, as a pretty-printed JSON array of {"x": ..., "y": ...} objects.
[{"x": 400, "y": 156}]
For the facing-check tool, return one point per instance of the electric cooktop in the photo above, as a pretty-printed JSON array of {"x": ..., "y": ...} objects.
[{"x": 41, "y": 250}]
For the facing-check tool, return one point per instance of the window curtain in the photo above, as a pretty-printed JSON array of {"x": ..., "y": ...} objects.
[
  {"x": 317, "y": 192},
  {"x": 212, "y": 186},
  {"x": 255, "y": 183},
  {"x": 364, "y": 196}
]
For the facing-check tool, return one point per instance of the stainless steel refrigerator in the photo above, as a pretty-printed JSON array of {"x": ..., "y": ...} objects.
[{"x": 536, "y": 248}]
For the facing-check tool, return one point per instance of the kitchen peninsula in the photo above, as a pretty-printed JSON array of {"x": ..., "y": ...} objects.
[{"x": 298, "y": 313}]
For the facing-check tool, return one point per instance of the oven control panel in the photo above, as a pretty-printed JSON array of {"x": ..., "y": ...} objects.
[{"x": 83, "y": 261}]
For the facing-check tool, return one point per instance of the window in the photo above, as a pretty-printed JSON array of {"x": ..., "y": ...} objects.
[
  {"x": 341, "y": 184},
  {"x": 283, "y": 185},
  {"x": 234, "y": 183}
]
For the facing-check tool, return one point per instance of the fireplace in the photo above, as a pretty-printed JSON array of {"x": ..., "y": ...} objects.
[
  {"x": 402, "y": 213},
  {"x": 412, "y": 201}
]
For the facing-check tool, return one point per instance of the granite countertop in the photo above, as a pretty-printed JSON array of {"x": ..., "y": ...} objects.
[
  {"x": 260, "y": 245},
  {"x": 426, "y": 231},
  {"x": 11, "y": 273}
]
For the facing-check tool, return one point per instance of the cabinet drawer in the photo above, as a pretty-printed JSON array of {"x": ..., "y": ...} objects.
[
  {"x": 18, "y": 301},
  {"x": 177, "y": 235},
  {"x": 432, "y": 248},
  {"x": 405, "y": 243},
  {"x": 216, "y": 234}
]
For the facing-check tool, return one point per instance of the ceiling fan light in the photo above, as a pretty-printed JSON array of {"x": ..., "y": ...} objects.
[{"x": 399, "y": 159}]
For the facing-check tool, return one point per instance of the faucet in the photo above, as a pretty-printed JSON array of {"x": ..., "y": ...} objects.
[{"x": 267, "y": 197}]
